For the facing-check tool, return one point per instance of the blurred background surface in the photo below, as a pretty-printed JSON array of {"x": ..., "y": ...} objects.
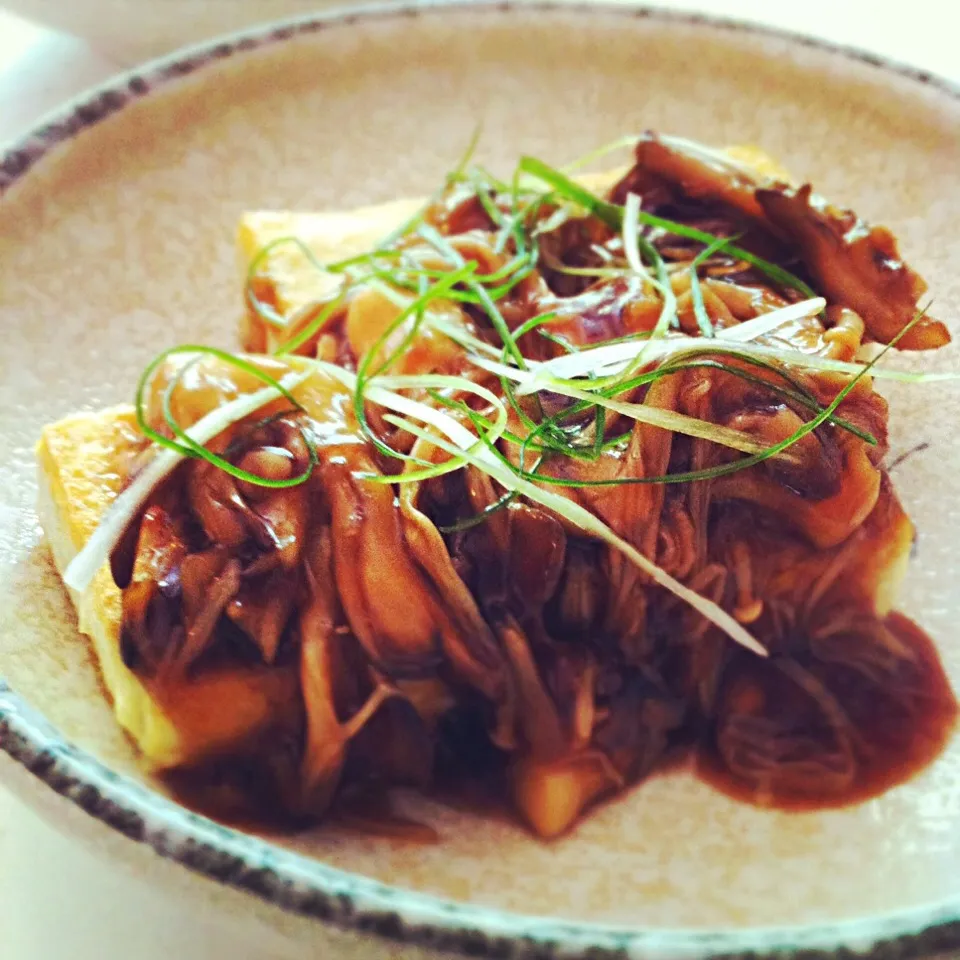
[{"x": 920, "y": 32}]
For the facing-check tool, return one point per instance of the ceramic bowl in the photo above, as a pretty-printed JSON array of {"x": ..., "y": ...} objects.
[{"x": 116, "y": 240}]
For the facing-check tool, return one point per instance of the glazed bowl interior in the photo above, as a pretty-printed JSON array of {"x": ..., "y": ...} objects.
[{"x": 119, "y": 242}]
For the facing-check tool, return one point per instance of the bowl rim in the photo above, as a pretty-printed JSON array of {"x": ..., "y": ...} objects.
[{"x": 309, "y": 887}]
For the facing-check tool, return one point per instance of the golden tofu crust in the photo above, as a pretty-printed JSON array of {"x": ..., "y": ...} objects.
[{"x": 83, "y": 462}]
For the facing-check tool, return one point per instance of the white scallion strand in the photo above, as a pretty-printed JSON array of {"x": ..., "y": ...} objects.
[
  {"x": 96, "y": 551},
  {"x": 464, "y": 444}
]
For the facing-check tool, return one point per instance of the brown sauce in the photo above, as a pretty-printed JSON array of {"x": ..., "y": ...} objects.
[
  {"x": 895, "y": 745},
  {"x": 223, "y": 792}
]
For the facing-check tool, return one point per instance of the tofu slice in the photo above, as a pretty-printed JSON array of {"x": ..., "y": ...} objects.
[
  {"x": 286, "y": 277},
  {"x": 83, "y": 461}
]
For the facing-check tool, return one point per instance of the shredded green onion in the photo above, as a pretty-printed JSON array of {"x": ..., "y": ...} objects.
[
  {"x": 201, "y": 451},
  {"x": 315, "y": 326},
  {"x": 493, "y": 464},
  {"x": 468, "y": 523},
  {"x": 612, "y": 215},
  {"x": 670, "y": 419},
  {"x": 728, "y": 468},
  {"x": 185, "y": 444},
  {"x": 265, "y": 311},
  {"x": 696, "y": 294},
  {"x": 610, "y": 362},
  {"x": 198, "y": 351},
  {"x": 443, "y": 246},
  {"x": 633, "y": 244},
  {"x": 622, "y": 143},
  {"x": 417, "y": 310},
  {"x": 537, "y": 321}
]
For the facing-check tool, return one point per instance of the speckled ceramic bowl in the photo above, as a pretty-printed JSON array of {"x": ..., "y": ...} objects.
[{"x": 116, "y": 239}]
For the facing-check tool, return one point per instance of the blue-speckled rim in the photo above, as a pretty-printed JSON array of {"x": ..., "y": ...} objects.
[{"x": 307, "y": 886}]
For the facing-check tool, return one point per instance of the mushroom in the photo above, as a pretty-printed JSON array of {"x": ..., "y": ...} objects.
[
  {"x": 174, "y": 600},
  {"x": 701, "y": 176},
  {"x": 471, "y": 648},
  {"x": 261, "y": 607},
  {"x": 851, "y": 263},
  {"x": 152, "y": 630},
  {"x": 383, "y": 736},
  {"x": 390, "y": 606},
  {"x": 209, "y": 580},
  {"x": 854, "y": 265}
]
